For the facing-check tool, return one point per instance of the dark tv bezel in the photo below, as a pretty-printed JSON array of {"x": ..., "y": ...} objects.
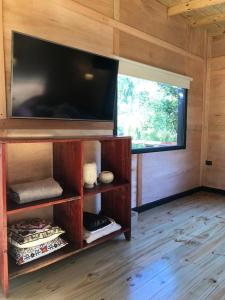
[{"x": 9, "y": 103}]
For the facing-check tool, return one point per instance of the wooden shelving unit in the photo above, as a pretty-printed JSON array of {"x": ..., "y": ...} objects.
[{"x": 68, "y": 162}]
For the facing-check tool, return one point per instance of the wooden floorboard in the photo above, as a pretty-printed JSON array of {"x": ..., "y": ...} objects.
[{"x": 176, "y": 252}]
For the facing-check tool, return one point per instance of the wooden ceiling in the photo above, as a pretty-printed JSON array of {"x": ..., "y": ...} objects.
[{"x": 208, "y": 14}]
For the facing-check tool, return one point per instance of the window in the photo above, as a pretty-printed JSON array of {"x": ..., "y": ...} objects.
[{"x": 152, "y": 113}]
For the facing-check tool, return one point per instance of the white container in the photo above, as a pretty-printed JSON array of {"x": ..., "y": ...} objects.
[
  {"x": 106, "y": 177},
  {"x": 90, "y": 175}
]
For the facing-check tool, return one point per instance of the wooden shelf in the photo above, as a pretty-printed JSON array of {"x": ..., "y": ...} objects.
[
  {"x": 13, "y": 207},
  {"x": 15, "y": 270},
  {"x": 67, "y": 168},
  {"x": 102, "y": 188},
  {"x": 105, "y": 238}
]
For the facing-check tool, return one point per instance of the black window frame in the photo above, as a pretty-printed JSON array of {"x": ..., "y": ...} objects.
[{"x": 182, "y": 129}]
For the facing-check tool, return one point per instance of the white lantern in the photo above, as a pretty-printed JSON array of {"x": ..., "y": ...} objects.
[{"x": 90, "y": 175}]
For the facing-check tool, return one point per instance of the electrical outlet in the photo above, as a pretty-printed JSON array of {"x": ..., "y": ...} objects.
[{"x": 208, "y": 163}]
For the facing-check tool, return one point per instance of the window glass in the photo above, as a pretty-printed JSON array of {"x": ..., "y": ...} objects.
[{"x": 152, "y": 113}]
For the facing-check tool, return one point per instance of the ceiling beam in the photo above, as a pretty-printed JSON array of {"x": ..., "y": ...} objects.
[
  {"x": 191, "y": 5},
  {"x": 213, "y": 19}
]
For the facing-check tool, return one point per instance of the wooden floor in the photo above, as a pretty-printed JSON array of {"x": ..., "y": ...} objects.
[{"x": 177, "y": 252}]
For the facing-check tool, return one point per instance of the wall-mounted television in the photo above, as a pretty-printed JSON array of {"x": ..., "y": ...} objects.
[{"x": 52, "y": 81}]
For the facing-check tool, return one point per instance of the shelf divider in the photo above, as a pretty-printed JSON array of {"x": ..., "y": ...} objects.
[
  {"x": 102, "y": 188},
  {"x": 13, "y": 207}
]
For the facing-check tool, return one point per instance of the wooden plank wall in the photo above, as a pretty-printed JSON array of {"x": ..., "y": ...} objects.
[
  {"x": 134, "y": 29},
  {"x": 215, "y": 174},
  {"x": 168, "y": 173}
]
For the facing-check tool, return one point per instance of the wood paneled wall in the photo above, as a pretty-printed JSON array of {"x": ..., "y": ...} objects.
[
  {"x": 168, "y": 173},
  {"x": 215, "y": 174},
  {"x": 135, "y": 29}
]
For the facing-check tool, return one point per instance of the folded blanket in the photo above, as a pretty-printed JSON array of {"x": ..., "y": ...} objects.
[
  {"x": 35, "y": 190},
  {"x": 32, "y": 232},
  {"x": 91, "y": 236}
]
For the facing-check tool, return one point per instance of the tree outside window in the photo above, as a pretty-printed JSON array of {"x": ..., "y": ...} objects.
[{"x": 152, "y": 113}]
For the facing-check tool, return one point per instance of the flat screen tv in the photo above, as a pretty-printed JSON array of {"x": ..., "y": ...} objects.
[{"x": 52, "y": 81}]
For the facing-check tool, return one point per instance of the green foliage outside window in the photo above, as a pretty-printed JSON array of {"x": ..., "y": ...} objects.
[{"x": 148, "y": 111}]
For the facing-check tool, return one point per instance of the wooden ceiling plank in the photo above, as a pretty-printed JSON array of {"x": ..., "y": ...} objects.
[
  {"x": 213, "y": 19},
  {"x": 187, "y": 6}
]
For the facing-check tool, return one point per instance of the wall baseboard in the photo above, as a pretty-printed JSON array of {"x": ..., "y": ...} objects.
[
  {"x": 212, "y": 190},
  {"x": 162, "y": 201}
]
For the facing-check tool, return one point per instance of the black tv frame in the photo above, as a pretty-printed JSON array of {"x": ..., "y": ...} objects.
[{"x": 9, "y": 101}]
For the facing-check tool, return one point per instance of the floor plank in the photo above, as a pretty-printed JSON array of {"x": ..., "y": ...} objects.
[{"x": 176, "y": 252}]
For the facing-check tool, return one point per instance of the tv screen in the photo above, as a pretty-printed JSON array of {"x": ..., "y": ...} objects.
[{"x": 54, "y": 81}]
